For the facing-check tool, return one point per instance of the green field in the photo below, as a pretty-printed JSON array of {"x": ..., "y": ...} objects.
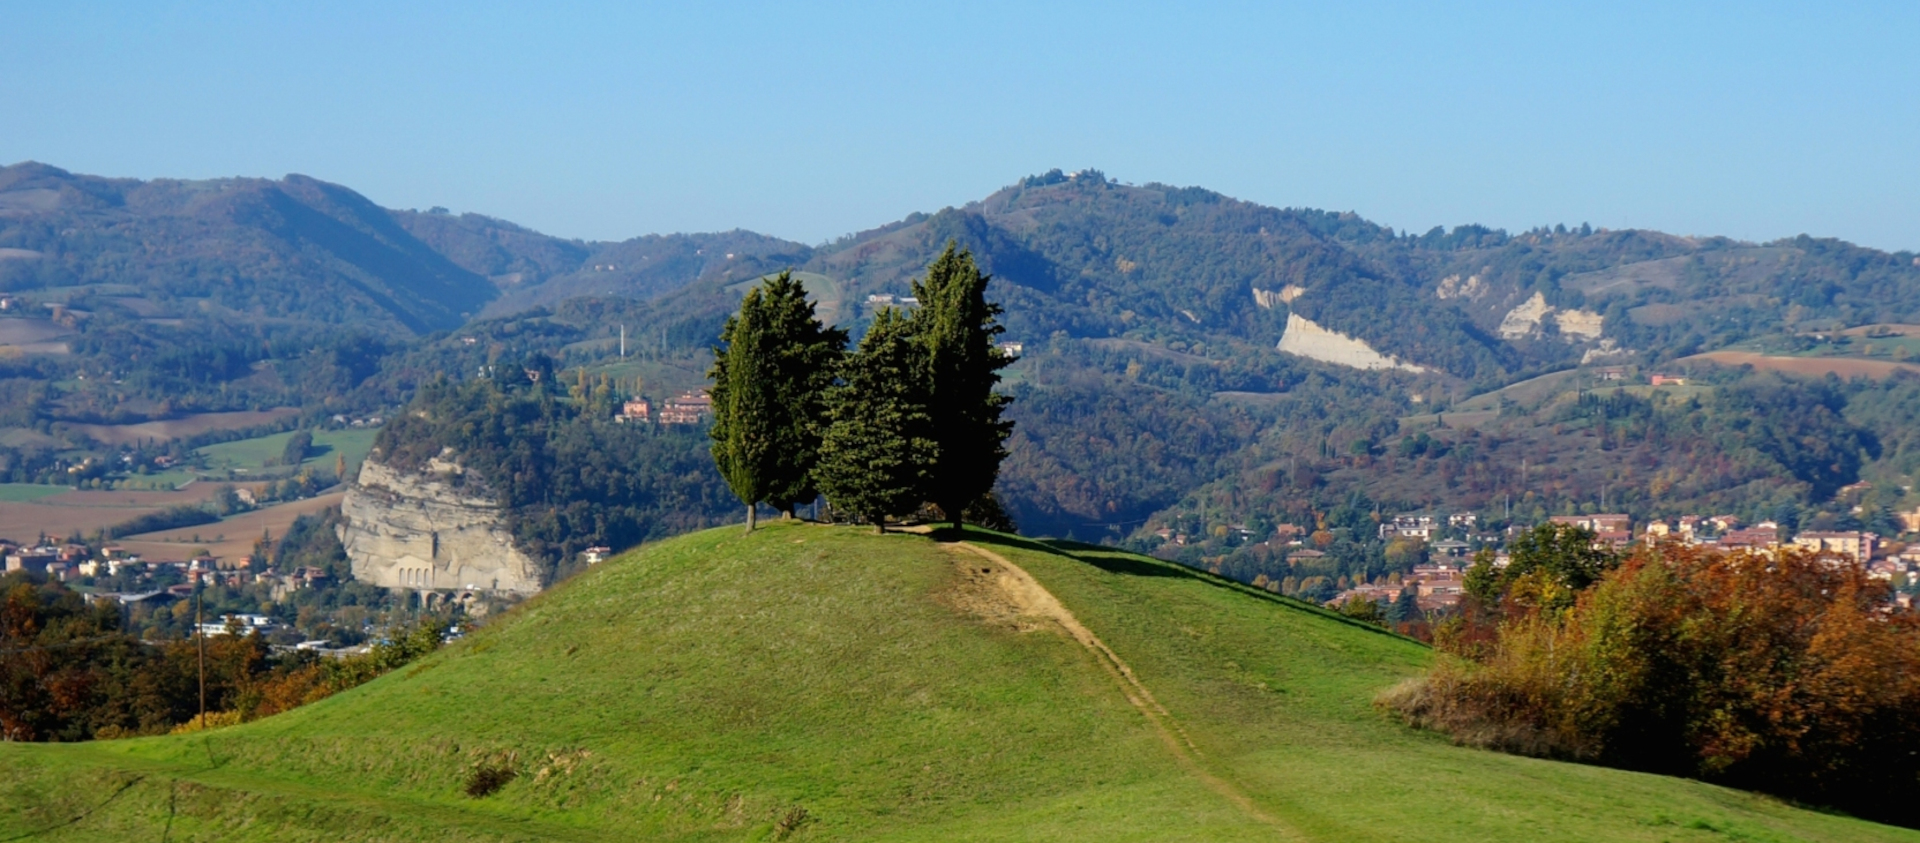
[
  {"x": 28, "y": 492},
  {"x": 823, "y": 683},
  {"x": 257, "y": 452}
]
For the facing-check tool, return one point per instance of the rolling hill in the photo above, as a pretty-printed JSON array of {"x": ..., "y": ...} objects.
[
  {"x": 809, "y": 682},
  {"x": 1179, "y": 347}
]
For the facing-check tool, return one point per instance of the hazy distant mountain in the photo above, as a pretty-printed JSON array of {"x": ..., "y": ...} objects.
[
  {"x": 296, "y": 248},
  {"x": 533, "y": 270}
]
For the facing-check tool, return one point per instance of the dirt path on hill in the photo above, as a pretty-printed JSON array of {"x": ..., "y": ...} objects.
[{"x": 1031, "y": 599}]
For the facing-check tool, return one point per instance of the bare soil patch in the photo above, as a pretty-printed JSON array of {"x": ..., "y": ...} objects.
[
  {"x": 23, "y": 521},
  {"x": 1023, "y": 600},
  {"x": 87, "y": 511},
  {"x": 1845, "y": 367},
  {"x": 198, "y": 423},
  {"x": 239, "y": 532},
  {"x": 26, "y": 331}
]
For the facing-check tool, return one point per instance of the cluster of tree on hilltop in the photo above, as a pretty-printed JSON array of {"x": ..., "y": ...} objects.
[{"x": 911, "y": 416}]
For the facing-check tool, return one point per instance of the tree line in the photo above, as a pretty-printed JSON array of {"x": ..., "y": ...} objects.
[
  {"x": 908, "y": 417},
  {"x": 1780, "y": 671}
]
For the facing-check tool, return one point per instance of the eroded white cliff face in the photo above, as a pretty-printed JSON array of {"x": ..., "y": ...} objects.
[
  {"x": 419, "y": 531},
  {"x": 1311, "y": 341},
  {"x": 1285, "y": 295},
  {"x": 1525, "y": 318}
]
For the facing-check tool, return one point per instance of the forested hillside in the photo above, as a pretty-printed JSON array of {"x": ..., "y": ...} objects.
[{"x": 1459, "y": 368}]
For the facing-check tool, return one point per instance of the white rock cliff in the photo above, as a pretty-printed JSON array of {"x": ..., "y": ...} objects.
[
  {"x": 418, "y": 531},
  {"x": 1305, "y": 338}
]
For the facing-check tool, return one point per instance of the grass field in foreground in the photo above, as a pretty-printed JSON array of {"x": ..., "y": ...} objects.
[{"x": 866, "y": 687}]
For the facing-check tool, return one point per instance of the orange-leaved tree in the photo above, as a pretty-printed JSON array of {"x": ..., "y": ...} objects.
[{"x": 1784, "y": 671}]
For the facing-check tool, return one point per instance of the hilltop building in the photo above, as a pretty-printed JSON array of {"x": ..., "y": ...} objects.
[{"x": 689, "y": 408}]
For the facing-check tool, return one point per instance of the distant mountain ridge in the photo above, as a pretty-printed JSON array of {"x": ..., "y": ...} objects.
[
  {"x": 1153, "y": 320},
  {"x": 303, "y": 250}
]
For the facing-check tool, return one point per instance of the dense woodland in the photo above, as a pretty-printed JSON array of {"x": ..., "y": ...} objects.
[{"x": 569, "y": 475}]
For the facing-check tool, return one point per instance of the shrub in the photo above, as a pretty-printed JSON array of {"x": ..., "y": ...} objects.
[
  {"x": 1791, "y": 674},
  {"x": 486, "y": 779}
]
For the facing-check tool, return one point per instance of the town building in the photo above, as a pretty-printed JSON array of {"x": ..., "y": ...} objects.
[
  {"x": 635, "y": 410},
  {"x": 1759, "y": 537},
  {"x": 1609, "y": 523},
  {"x": 689, "y": 408},
  {"x": 1410, "y": 526},
  {"x": 1857, "y": 545}
]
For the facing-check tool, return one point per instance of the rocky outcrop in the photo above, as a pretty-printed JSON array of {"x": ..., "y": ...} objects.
[
  {"x": 1307, "y": 339},
  {"x": 1575, "y": 325},
  {"x": 1285, "y": 295},
  {"x": 421, "y": 531}
]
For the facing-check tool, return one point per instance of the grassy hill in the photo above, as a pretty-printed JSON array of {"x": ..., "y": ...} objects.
[{"x": 822, "y": 683}]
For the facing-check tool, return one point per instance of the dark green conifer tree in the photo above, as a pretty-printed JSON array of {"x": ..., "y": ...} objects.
[
  {"x": 744, "y": 431},
  {"x": 955, "y": 328},
  {"x": 806, "y": 355},
  {"x": 769, "y": 395},
  {"x": 875, "y": 454}
]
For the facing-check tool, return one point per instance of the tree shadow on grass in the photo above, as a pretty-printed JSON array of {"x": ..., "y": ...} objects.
[{"x": 1116, "y": 561}]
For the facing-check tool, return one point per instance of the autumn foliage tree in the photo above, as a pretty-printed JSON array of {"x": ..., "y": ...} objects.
[{"x": 1787, "y": 672}]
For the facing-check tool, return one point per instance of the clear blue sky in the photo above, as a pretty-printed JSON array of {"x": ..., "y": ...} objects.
[{"x": 810, "y": 121}]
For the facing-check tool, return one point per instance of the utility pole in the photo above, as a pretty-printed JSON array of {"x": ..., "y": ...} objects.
[
  {"x": 623, "y": 342},
  {"x": 200, "y": 633}
]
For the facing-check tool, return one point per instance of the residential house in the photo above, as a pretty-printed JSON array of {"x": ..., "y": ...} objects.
[
  {"x": 689, "y": 408},
  {"x": 1853, "y": 544},
  {"x": 1410, "y": 526},
  {"x": 1668, "y": 380},
  {"x": 32, "y": 561},
  {"x": 1763, "y": 536},
  {"x": 1610, "y": 523},
  {"x": 635, "y": 410},
  {"x": 1375, "y": 593},
  {"x": 1910, "y": 521}
]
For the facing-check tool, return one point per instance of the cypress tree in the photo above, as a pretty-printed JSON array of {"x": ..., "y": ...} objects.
[
  {"x": 805, "y": 356},
  {"x": 955, "y": 328},
  {"x": 744, "y": 434},
  {"x": 876, "y": 449}
]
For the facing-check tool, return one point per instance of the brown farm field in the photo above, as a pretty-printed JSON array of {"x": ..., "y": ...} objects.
[
  {"x": 87, "y": 511},
  {"x": 121, "y": 434},
  {"x": 1845, "y": 367},
  {"x": 239, "y": 531}
]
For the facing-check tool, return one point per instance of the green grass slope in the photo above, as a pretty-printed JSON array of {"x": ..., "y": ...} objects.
[{"x": 819, "y": 683}]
